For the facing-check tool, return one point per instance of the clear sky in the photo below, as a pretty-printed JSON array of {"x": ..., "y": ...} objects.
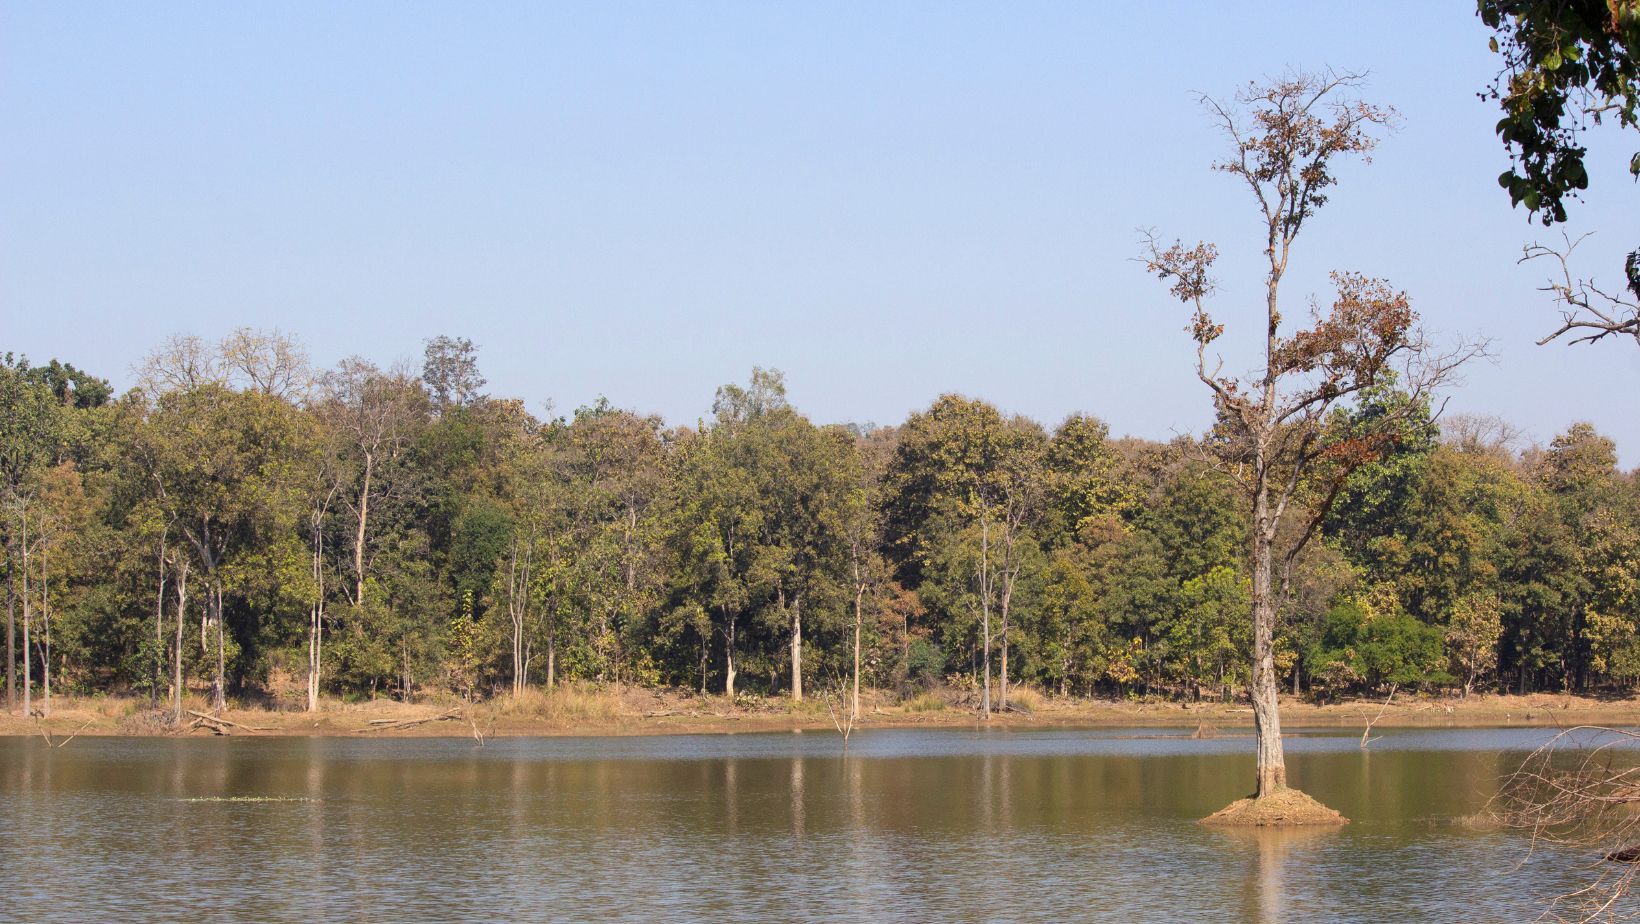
[{"x": 643, "y": 200}]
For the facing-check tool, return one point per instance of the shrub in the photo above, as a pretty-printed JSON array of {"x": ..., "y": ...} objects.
[
  {"x": 924, "y": 663},
  {"x": 1358, "y": 647}
]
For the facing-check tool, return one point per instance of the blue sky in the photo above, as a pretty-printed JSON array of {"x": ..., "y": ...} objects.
[{"x": 643, "y": 200}]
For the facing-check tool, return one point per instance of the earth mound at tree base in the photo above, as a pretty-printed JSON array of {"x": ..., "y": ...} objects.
[{"x": 1284, "y": 808}]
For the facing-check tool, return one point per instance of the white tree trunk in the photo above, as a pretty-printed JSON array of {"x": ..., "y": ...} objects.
[
  {"x": 176, "y": 661},
  {"x": 729, "y": 660},
  {"x": 219, "y": 690},
  {"x": 28, "y": 616},
  {"x": 797, "y": 648},
  {"x": 859, "y": 591},
  {"x": 985, "y": 613},
  {"x": 1272, "y": 763},
  {"x": 358, "y": 536}
]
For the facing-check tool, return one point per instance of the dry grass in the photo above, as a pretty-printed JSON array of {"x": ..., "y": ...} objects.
[
  {"x": 567, "y": 705},
  {"x": 1025, "y": 698},
  {"x": 925, "y": 702},
  {"x": 815, "y": 704}
]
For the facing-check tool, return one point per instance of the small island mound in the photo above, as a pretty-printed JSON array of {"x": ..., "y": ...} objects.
[{"x": 1283, "y": 808}]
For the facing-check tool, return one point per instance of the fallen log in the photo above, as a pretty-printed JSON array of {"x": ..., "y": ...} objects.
[
  {"x": 212, "y": 721},
  {"x": 394, "y": 724}
]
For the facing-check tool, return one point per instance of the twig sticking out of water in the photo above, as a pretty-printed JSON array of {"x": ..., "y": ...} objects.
[
  {"x": 843, "y": 719},
  {"x": 1374, "y": 720}
]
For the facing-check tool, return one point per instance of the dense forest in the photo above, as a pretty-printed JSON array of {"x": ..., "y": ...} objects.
[{"x": 240, "y": 525}]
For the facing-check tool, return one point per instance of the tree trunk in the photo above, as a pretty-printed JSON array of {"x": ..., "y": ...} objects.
[
  {"x": 517, "y": 623},
  {"x": 159, "y": 627},
  {"x": 797, "y": 648},
  {"x": 28, "y": 616},
  {"x": 219, "y": 690},
  {"x": 315, "y": 641},
  {"x": 552, "y": 643},
  {"x": 1007, "y": 596},
  {"x": 859, "y": 591},
  {"x": 316, "y": 627},
  {"x": 358, "y": 537},
  {"x": 1272, "y": 763},
  {"x": 729, "y": 660},
  {"x": 176, "y": 662},
  {"x": 45, "y": 653},
  {"x": 45, "y": 667},
  {"x": 11, "y": 632},
  {"x": 985, "y": 613},
  {"x": 405, "y": 680}
]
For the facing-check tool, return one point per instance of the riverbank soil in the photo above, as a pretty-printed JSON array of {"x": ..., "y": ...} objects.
[
  {"x": 574, "y": 710},
  {"x": 1283, "y": 808}
]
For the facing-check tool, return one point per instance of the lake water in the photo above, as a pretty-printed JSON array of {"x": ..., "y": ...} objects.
[{"x": 1041, "y": 825}]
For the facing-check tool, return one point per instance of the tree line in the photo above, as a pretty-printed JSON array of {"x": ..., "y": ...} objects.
[{"x": 241, "y": 525}]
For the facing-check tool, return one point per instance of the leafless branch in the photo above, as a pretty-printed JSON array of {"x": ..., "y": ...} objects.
[
  {"x": 1577, "y": 792},
  {"x": 1587, "y": 311}
]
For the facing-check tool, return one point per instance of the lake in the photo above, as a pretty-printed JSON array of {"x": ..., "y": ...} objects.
[{"x": 981, "y": 825}]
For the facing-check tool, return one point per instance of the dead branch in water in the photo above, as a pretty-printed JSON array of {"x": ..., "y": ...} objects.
[
  {"x": 65, "y": 741},
  {"x": 843, "y": 720},
  {"x": 1580, "y": 796},
  {"x": 1374, "y": 720}
]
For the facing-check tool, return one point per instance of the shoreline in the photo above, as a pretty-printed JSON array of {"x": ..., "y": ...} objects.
[{"x": 644, "y": 712}]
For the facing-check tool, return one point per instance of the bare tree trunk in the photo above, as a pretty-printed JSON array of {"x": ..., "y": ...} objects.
[
  {"x": 316, "y": 614},
  {"x": 314, "y": 628},
  {"x": 1272, "y": 763},
  {"x": 985, "y": 612},
  {"x": 45, "y": 621},
  {"x": 859, "y": 591},
  {"x": 11, "y": 631},
  {"x": 797, "y": 648},
  {"x": 1007, "y": 596},
  {"x": 159, "y": 626},
  {"x": 517, "y": 622},
  {"x": 358, "y": 537},
  {"x": 219, "y": 690},
  {"x": 552, "y": 643},
  {"x": 176, "y": 662},
  {"x": 28, "y": 614},
  {"x": 405, "y": 679},
  {"x": 729, "y": 659}
]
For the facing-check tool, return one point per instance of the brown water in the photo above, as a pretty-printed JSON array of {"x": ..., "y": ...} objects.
[{"x": 909, "y": 825}]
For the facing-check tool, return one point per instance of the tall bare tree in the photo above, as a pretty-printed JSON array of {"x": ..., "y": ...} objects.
[
  {"x": 182, "y": 362},
  {"x": 1277, "y": 433},
  {"x": 378, "y": 411},
  {"x": 271, "y": 362}
]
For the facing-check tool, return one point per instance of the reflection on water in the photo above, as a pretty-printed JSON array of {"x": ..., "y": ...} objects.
[{"x": 951, "y": 825}]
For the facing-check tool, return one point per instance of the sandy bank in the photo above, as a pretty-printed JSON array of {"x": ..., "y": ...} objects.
[{"x": 647, "y": 712}]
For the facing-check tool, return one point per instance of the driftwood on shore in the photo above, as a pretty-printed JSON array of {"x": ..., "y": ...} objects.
[
  {"x": 376, "y": 725},
  {"x": 219, "y": 725}
]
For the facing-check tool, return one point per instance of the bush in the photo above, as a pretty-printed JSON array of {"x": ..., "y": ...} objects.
[
  {"x": 1358, "y": 648},
  {"x": 924, "y": 663}
]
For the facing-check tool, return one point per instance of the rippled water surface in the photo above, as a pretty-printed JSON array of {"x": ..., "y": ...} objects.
[{"x": 911, "y": 825}]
